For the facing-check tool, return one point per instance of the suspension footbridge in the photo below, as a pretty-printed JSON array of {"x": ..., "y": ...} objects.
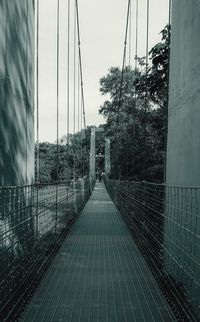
[
  {"x": 96, "y": 241},
  {"x": 98, "y": 273}
]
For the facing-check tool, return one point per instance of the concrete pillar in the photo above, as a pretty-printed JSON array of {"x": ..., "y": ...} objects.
[
  {"x": 181, "y": 247},
  {"x": 107, "y": 156},
  {"x": 183, "y": 150},
  {"x": 16, "y": 92},
  {"x": 92, "y": 155}
]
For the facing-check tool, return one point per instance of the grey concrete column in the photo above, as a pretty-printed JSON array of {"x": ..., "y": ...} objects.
[
  {"x": 182, "y": 225},
  {"x": 183, "y": 149},
  {"x": 92, "y": 155},
  {"x": 107, "y": 156},
  {"x": 17, "y": 92}
]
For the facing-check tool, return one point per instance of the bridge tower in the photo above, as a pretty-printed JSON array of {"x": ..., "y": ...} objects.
[
  {"x": 97, "y": 134},
  {"x": 16, "y": 92},
  {"x": 107, "y": 156},
  {"x": 92, "y": 155},
  {"x": 183, "y": 148}
]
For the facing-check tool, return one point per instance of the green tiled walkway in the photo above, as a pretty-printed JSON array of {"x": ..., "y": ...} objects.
[{"x": 98, "y": 274}]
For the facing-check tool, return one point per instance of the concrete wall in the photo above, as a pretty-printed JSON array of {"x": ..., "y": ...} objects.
[
  {"x": 182, "y": 220},
  {"x": 16, "y": 92},
  {"x": 183, "y": 150}
]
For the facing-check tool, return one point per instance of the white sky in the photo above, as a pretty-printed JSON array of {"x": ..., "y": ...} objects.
[{"x": 102, "y": 29}]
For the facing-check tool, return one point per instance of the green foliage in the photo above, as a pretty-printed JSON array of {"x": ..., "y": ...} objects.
[
  {"x": 156, "y": 82},
  {"x": 136, "y": 121},
  {"x": 72, "y": 160}
]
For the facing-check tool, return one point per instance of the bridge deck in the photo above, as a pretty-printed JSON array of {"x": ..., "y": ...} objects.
[{"x": 98, "y": 274}]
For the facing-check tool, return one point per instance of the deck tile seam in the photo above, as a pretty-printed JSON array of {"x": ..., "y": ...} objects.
[
  {"x": 114, "y": 227},
  {"x": 124, "y": 275},
  {"x": 92, "y": 277},
  {"x": 63, "y": 259},
  {"x": 74, "y": 274},
  {"x": 86, "y": 277},
  {"x": 149, "y": 275},
  {"x": 105, "y": 280},
  {"x": 37, "y": 292},
  {"x": 136, "y": 274},
  {"x": 75, "y": 246},
  {"x": 136, "y": 259},
  {"x": 112, "y": 282},
  {"x": 45, "y": 280}
]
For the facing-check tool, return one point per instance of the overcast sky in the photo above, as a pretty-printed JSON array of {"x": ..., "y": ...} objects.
[{"x": 102, "y": 29}]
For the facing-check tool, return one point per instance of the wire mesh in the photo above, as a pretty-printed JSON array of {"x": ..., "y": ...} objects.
[
  {"x": 165, "y": 224},
  {"x": 33, "y": 221}
]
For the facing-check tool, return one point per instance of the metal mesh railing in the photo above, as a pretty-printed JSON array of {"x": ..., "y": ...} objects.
[
  {"x": 33, "y": 222},
  {"x": 165, "y": 223}
]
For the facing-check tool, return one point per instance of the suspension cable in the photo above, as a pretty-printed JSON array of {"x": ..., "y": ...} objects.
[
  {"x": 122, "y": 78},
  {"x": 130, "y": 34},
  {"x": 136, "y": 34},
  {"x": 167, "y": 102},
  {"x": 57, "y": 108},
  {"x": 146, "y": 90},
  {"x": 135, "y": 93},
  {"x": 78, "y": 116},
  {"x": 57, "y": 94},
  {"x": 68, "y": 78},
  {"x": 124, "y": 57},
  {"x": 74, "y": 119},
  {"x": 80, "y": 63},
  {"x": 37, "y": 97},
  {"x": 129, "y": 85},
  {"x": 74, "y": 112}
]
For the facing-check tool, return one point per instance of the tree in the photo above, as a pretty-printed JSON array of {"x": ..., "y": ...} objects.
[
  {"x": 72, "y": 159},
  {"x": 136, "y": 119},
  {"x": 155, "y": 85},
  {"x": 124, "y": 123}
]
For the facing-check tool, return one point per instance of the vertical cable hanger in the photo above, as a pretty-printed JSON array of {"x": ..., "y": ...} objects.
[
  {"x": 82, "y": 120},
  {"x": 170, "y": 11},
  {"x": 136, "y": 34},
  {"x": 122, "y": 79},
  {"x": 81, "y": 156},
  {"x": 81, "y": 105},
  {"x": 68, "y": 97},
  {"x": 124, "y": 57},
  {"x": 147, "y": 40},
  {"x": 129, "y": 83},
  {"x": 146, "y": 90},
  {"x": 130, "y": 35},
  {"x": 37, "y": 97},
  {"x": 57, "y": 107},
  {"x": 167, "y": 102},
  {"x": 57, "y": 88},
  {"x": 68, "y": 80},
  {"x": 37, "y": 180},
  {"x": 135, "y": 93},
  {"x": 80, "y": 63},
  {"x": 78, "y": 118},
  {"x": 74, "y": 112}
]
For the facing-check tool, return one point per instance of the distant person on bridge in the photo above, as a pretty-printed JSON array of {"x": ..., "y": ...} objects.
[{"x": 100, "y": 176}]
